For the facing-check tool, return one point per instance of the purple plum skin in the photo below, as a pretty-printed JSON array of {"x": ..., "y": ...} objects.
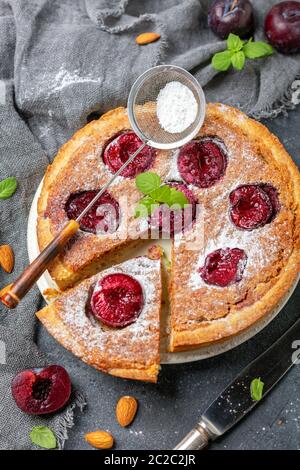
[{"x": 228, "y": 16}]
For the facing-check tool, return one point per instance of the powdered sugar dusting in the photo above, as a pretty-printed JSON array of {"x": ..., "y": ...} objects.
[
  {"x": 173, "y": 174},
  {"x": 136, "y": 342},
  {"x": 65, "y": 78}
]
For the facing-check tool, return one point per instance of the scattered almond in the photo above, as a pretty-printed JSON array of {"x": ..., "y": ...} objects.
[
  {"x": 126, "y": 410},
  {"x": 100, "y": 439},
  {"x": 146, "y": 38},
  {"x": 7, "y": 259}
]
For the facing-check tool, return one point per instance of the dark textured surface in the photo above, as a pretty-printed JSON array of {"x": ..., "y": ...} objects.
[{"x": 169, "y": 409}]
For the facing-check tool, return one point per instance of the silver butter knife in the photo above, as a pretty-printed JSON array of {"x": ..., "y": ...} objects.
[{"x": 235, "y": 401}]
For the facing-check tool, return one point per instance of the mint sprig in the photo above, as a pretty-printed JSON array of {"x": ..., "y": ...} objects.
[
  {"x": 256, "y": 389},
  {"x": 8, "y": 187},
  {"x": 42, "y": 436},
  {"x": 238, "y": 51},
  {"x": 156, "y": 193}
]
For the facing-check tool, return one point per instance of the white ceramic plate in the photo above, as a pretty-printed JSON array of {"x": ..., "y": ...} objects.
[{"x": 46, "y": 282}]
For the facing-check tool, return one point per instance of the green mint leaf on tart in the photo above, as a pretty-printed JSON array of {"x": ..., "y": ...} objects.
[
  {"x": 156, "y": 193},
  {"x": 43, "y": 437},
  {"x": 221, "y": 61},
  {"x": 8, "y": 187},
  {"x": 145, "y": 207},
  {"x": 177, "y": 197},
  {"x": 255, "y": 50},
  {"x": 238, "y": 51},
  {"x": 147, "y": 182},
  {"x": 162, "y": 194},
  {"x": 238, "y": 60},
  {"x": 234, "y": 43},
  {"x": 256, "y": 389}
]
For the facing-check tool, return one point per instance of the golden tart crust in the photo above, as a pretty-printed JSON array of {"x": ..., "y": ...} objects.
[
  {"x": 131, "y": 352},
  {"x": 200, "y": 313}
]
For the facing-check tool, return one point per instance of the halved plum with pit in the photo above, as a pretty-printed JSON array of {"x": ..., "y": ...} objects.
[
  {"x": 224, "y": 267},
  {"x": 117, "y": 300},
  {"x": 117, "y": 152},
  {"x": 171, "y": 221},
  {"x": 274, "y": 199},
  {"x": 41, "y": 391},
  {"x": 103, "y": 217},
  {"x": 253, "y": 205},
  {"x": 202, "y": 162}
]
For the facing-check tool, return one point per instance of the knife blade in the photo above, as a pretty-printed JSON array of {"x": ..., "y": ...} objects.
[{"x": 235, "y": 401}]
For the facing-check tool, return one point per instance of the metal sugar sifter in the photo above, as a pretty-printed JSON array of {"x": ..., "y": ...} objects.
[{"x": 143, "y": 118}]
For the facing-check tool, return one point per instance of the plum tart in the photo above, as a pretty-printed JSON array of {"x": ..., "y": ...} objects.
[
  {"x": 231, "y": 265},
  {"x": 111, "y": 320}
]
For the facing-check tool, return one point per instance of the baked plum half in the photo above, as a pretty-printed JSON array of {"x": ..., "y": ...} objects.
[
  {"x": 118, "y": 150},
  {"x": 117, "y": 300},
  {"x": 170, "y": 221},
  {"x": 202, "y": 162},
  {"x": 103, "y": 217},
  {"x": 253, "y": 205},
  {"x": 224, "y": 267}
]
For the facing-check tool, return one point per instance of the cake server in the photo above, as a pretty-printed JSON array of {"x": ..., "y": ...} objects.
[
  {"x": 235, "y": 401},
  {"x": 143, "y": 119}
]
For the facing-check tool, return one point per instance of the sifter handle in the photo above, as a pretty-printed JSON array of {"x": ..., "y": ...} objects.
[{"x": 12, "y": 294}]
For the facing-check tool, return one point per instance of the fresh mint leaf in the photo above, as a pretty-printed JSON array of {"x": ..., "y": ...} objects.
[
  {"x": 162, "y": 194},
  {"x": 43, "y": 437},
  {"x": 238, "y": 51},
  {"x": 8, "y": 187},
  {"x": 234, "y": 43},
  {"x": 147, "y": 182},
  {"x": 256, "y": 389},
  {"x": 238, "y": 60},
  {"x": 177, "y": 197},
  {"x": 257, "y": 49},
  {"x": 145, "y": 207},
  {"x": 156, "y": 193},
  {"x": 221, "y": 61}
]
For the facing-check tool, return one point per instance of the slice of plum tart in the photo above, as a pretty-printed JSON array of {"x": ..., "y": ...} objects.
[{"x": 112, "y": 320}]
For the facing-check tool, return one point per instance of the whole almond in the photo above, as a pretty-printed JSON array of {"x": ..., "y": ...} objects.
[
  {"x": 146, "y": 38},
  {"x": 7, "y": 259},
  {"x": 126, "y": 410},
  {"x": 100, "y": 439}
]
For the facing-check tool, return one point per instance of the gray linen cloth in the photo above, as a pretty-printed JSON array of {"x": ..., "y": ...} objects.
[{"x": 64, "y": 62}]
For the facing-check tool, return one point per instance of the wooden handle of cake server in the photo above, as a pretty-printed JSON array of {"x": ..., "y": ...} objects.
[{"x": 12, "y": 294}]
